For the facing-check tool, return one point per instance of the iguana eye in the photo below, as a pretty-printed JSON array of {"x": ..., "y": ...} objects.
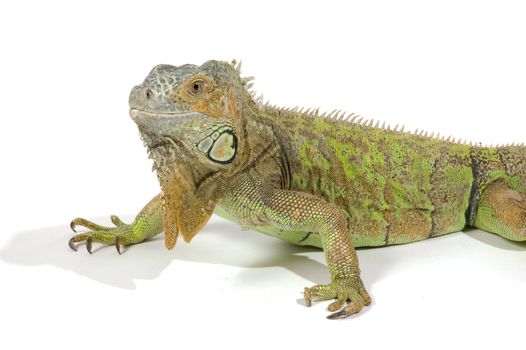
[{"x": 197, "y": 87}]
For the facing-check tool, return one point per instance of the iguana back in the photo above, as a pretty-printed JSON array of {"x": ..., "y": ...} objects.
[{"x": 395, "y": 186}]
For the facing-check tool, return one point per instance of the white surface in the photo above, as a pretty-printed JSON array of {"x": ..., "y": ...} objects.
[{"x": 69, "y": 149}]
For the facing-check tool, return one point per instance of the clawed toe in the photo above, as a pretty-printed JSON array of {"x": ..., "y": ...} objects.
[
  {"x": 335, "y": 305},
  {"x": 120, "y": 236},
  {"x": 88, "y": 239},
  {"x": 306, "y": 297},
  {"x": 71, "y": 243},
  {"x": 349, "y": 309},
  {"x": 87, "y": 224},
  {"x": 77, "y": 238},
  {"x": 350, "y": 295}
]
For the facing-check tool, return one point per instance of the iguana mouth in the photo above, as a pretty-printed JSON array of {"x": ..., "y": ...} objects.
[
  {"x": 134, "y": 113},
  {"x": 141, "y": 116}
]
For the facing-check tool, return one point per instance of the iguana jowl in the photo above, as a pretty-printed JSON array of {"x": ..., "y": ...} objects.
[{"x": 330, "y": 181}]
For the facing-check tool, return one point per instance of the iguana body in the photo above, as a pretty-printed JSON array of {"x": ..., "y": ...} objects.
[{"x": 331, "y": 181}]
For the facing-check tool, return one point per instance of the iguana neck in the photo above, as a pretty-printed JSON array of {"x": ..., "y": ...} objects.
[{"x": 261, "y": 150}]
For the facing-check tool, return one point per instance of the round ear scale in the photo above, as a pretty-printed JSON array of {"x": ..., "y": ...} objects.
[{"x": 224, "y": 147}]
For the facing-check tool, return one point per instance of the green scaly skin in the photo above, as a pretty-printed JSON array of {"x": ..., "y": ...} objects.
[{"x": 330, "y": 181}]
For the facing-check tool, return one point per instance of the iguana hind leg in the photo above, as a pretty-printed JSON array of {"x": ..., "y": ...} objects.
[
  {"x": 502, "y": 210},
  {"x": 147, "y": 224}
]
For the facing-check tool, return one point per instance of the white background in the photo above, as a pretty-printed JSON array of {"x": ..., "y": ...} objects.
[{"x": 68, "y": 148}]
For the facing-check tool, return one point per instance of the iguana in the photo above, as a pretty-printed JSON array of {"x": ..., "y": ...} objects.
[{"x": 334, "y": 181}]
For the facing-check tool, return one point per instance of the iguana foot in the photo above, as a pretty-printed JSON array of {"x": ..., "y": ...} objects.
[
  {"x": 349, "y": 292},
  {"x": 121, "y": 235}
]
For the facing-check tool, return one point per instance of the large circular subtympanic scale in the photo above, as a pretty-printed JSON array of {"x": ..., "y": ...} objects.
[{"x": 221, "y": 148}]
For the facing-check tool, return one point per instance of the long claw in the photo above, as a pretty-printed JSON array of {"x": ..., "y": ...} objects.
[
  {"x": 336, "y": 315},
  {"x": 72, "y": 225},
  {"x": 89, "y": 244},
  {"x": 71, "y": 243},
  {"x": 118, "y": 244}
]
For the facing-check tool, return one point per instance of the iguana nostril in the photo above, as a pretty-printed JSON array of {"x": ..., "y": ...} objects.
[{"x": 148, "y": 94}]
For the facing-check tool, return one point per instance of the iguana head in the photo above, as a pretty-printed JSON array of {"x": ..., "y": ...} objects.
[{"x": 189, "y": 120}]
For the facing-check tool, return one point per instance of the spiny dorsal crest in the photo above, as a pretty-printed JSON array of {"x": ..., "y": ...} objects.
[
  {"x": 352, "y": 118},
  {"x": 248, "y": 82}
]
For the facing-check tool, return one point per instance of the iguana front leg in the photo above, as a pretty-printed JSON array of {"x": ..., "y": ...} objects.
[
  {"x": 251, "y": 202},
  {"x": 147, "y": 224}
]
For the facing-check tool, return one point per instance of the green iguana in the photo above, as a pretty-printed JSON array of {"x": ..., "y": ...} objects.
[{"x": 332, "y": 181}]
